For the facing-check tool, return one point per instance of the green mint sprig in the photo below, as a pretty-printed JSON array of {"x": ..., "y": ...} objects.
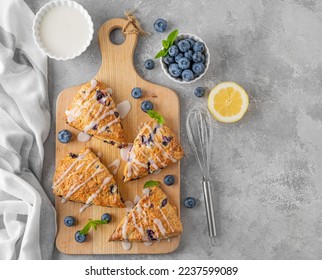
[
  {"x": 167, "y": 43},
  {"x": 151, "y": 183},
  {"x": 92, "y": 223},
  {"x": 155, "y": 115}
]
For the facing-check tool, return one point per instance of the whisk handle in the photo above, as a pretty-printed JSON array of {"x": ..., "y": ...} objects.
[{"x": 209, "y": 201}]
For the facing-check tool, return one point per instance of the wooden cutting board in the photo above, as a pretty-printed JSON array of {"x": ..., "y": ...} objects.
[{"x": 118, "y": 72}]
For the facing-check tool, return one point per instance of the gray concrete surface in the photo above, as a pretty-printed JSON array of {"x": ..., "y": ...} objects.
[{"x": 267, "y": 168}]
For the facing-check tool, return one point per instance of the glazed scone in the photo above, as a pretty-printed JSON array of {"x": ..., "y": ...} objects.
[
  {"x": 94, "y": 112},
  {"x": 83, "y": 178},
  {"x": 152, "y": 218},
  {"x": 154, "y": 148}
]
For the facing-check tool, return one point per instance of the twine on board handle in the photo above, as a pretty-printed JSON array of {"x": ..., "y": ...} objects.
[{"x": 138, "y": 28}]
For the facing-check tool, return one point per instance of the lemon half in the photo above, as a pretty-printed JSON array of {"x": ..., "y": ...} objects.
[{"x": 228, "y": 102}]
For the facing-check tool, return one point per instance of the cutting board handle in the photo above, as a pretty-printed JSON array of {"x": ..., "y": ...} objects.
[{"x": 112, "y": 54}]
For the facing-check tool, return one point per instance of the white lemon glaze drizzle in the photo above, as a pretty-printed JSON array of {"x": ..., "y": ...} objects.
[
  {"x": 60, "y": 180},
  {"x": 115, "y": 165},
  {"x": 94, "y": 195},
  {"x": 75, "y": 188}
]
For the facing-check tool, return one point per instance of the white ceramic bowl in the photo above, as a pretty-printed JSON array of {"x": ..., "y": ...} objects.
[
  {"x": 205, "y": 53},
  {"x": 39, "y": 17}
]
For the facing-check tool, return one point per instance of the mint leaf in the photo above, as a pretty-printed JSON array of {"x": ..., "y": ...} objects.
[
  {"x": 172, "y": 36},
  {"x": 165, "y": 44},
  {"x": 155, "y": 115},
  {"x": 151, "y": 183},
  {"x": 92, "y": 223},
  {"x": 161, "y": 53}
]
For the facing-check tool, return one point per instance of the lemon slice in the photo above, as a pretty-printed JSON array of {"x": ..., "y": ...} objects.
[{"x": 228, "y": 102}]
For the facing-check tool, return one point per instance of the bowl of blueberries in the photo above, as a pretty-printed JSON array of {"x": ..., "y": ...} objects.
[{"x": 187, "y": 59}]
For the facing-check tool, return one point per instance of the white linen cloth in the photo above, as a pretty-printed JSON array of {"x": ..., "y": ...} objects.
[{"x": 24, "y": 126}]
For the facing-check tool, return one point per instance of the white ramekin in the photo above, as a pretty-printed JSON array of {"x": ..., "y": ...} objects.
[
  {"x": 206, "y": 54},
  {"x": 42, "y": 12}
]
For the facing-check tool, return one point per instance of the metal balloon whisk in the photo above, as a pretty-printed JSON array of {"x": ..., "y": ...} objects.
[{"x": 199, "y": 130}]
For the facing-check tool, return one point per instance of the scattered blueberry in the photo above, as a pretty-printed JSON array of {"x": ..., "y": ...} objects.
[
  {"x": 174, "y": 70},
  {"x": 198, "y": 57},
  {"x": 136, "y": 92},
  {"x": 173, "y": 50},
  {"x": 106, "y": 217},
  {"x": 160, "y": 25},
  {"x": 69, "y": 221},
  {"x": 198, "y": 68},
  {"x": 80, "y": 238},
  {"x": 149, "y": 64},
  {"x": 187, "y": 75},
  {"x": 184, "y": 45},
  {"x": 199, "y": 92},
  {"x": 146, "y": 105},
  {"x": 169, "y": 180},
  {"x": 184, "y": 63},
  {"x": 178, "y": 57},
  {"x": 198, "y": 47},
  {"x": 191, "y": 41},
  {"x": 168, "y": 59},
  {"x": 64, "y": 136},
  {"x": 189, "y": 202},
  {"x": 188, "y": 54}
]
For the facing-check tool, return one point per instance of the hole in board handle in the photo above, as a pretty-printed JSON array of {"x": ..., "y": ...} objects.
[{"x": 117, "y": 37}]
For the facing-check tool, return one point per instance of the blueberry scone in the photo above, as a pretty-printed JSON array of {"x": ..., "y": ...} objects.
[
  {"x": 152, "y": 218},
  {"x": 94, "y": 112},
  {"x": 154, "y": 148},
  {"x": 83, "y": 178}
]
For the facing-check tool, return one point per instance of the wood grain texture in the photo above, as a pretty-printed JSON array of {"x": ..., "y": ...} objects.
[{"x": 118, "y": 72}]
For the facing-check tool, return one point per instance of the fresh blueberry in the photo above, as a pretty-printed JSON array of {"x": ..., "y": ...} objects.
[
  {"x": 177, "y": 58},
  {"x": 199, "y": 92},
  {"x": 173, "y": 50},
  {"x": 106, "y": 217},
  {"x": 184, "y": 45},
  {"x": 187, "y": 75},
  {"x": 64, "y": 136},
  {"x": 189, "y": 202},
  {"x": 191, "y": 41},
  {"x": 198, "y": 57},
  {"x": 169, "y": 180},
  {"x": 69, "y": 221},
  {"x": 184, "y": 63},
  {"x": 136, "y": 92},
  {"x": 160, "y": 25},
  {"x": 198, "y": 68},
  {"x": 188, "y": 54},
  {"x": 168, "y": 59},
  {"x": 174, "y": 70},
  {"x": 149, "y": 64},
  {"x": 146, "y": 105},
  {"x": 80, "y": 238},
  {"x": 198, "y": 47}
]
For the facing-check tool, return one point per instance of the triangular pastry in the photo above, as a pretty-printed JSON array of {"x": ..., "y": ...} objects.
[
  {"x": 83, "y": 178},
  {"x": 154, "y": 148},
  {"x": 94, "y": 112},
  {"x": 152, "y": 218}
]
